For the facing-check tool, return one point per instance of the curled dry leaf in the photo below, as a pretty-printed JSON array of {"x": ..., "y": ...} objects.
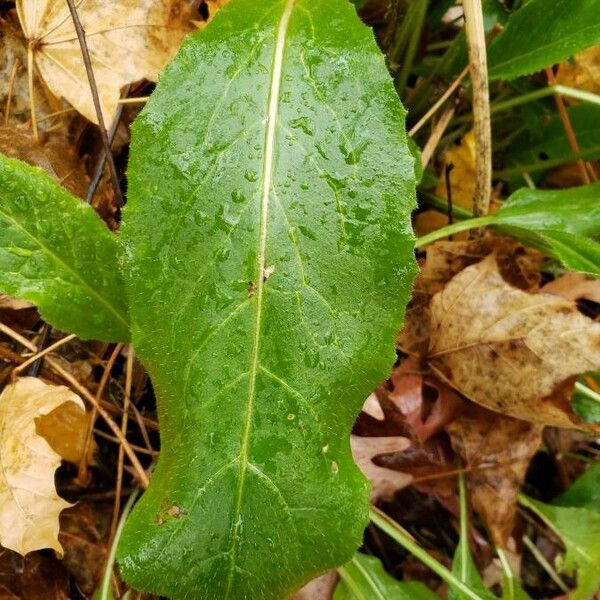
[
  {"x": 29, "y": 504},
  {"x": 497, "y": 451},
  {"x": 66, "y": 430},
  {"x": 128, "y": 40},
  {"x": 514, "y": 352},
  {"x": 13, "y": 303},
  {"x": 428, "y": 405},
  {"x": 384, "y": 482}
]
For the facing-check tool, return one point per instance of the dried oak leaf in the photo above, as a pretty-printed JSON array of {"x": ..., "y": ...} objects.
[
  {"x": 128, "y": 41},
  {"x": 29, "y": 504},
  {"x": 384, "y": 482},
  {"x": 511, "y": 351},
  {"x": 497, "y": 451},
  {"x": 518, "y": 265}
]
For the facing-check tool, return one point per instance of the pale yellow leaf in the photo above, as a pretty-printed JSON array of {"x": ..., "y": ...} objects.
[
  {"x": 511, "y": 351},
  {"x": 128, "y": 40},
  {"x": 29, "y": 504}
]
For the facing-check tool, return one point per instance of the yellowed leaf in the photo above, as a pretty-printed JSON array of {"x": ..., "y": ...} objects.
[
  {"x": 514, "y": 352},
  {"x": 497, "y": 451},
  {"x": 66, "y": 430},
  {"x": 582, "y": 71},
  {"x": 128, "y": 40},
  {"x": 29, "y": 504}
]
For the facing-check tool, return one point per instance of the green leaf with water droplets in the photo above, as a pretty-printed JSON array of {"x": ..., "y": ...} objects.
[
  {"x": 269, "y": 258},
  {"x": 57, "y": 253}
]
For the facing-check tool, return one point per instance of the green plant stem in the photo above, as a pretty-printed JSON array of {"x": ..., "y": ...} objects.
[
  {"x": 444, "y": 232},
  {"x": 544, "y": 564},
  {"x": 542, "y": 165},
  {"x": 401, "y": 536},
  {"x": 104, "y": 591},
  {"x": 551, "y": 90},
  {"x": 587, "y": 392},
  {"x": 413, "y": 43},
  {"x": 464, "y": 526},
  {"x": 441, "y": 205}
]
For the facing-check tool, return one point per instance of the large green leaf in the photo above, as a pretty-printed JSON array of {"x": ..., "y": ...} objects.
[
  {"x": 57, "y": 253},
  {"x": 579, "y": 529},
  {"x": 364, "y": 578},
  {"x": 269, "y": 260},
  {"x": 585, "y": 492},
  {"x": 541, "y": 33}
]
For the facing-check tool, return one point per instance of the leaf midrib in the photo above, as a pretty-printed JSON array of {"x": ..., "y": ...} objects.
[{"x": 267, "y": 180}]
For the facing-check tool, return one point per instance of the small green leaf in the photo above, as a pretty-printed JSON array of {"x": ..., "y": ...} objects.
[
  {"x": 585, "y": 492},
  {"x": 464, "y": 568},
  {"x": 560, "y": 222},
  {"x": 579, "y": 528},
  {"x": 269, "y": 261},
  {"x": 364, "y": 578},
  {"x": 585, "y": 404},
  {"x": 57, "y": 253},
  {"x": 542, "y": 33}
]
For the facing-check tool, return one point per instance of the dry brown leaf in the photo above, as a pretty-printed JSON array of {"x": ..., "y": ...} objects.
[
  {"x": 582, "y": 71},
  {"x": 128, "y": 41},
  {"x": 29, "y": 504},
  {"x": 497, "y": 451},
  {"x": 66, "y": 430},
  {"x": 519, "y": 266},
  {"x": 55, "y": 156},
  {"x": 13, "y": 303},
  {"x": 514, "y": 352},
  {"x": 384, "y": 482},
  {"x": 321, "y": 588},
  {"x": 426, "y": 416},
  {"x": 574, "y": 286}
]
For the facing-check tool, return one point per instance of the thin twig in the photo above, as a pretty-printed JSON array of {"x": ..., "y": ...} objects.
[
  {"x": 30, "y": 66},
  {"x": 436, "y": 136},
  {"x": 439, "y": 103},
  {"x": 82, "y": 474},
  {"x": 121, "y": 458},
  {"x": 91, "y": 191},
  {"x": 43, "y": 353},
  {"x": 44, "y": 339},
  {"x": 481, "y": 105},
  {"x": 585, "y": 171},
  {"x": 97, "y": 106},
  {"x": 11, "y": 86}
]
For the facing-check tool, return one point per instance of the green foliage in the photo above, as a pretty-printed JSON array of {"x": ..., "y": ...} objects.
[
  {"x": 465, "y": 570},
  {"x": 542, "y": 33},
  {"x": 364, "y": 578},
  {"x": 57, "y": 253},
  {"x": 560, "y": 222},
  {"x": 543, "y": 142},
  {"x": 579, "y": 528},
  {"x": 268, "y": 262},
  {"x": 585, "y": 492}
]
